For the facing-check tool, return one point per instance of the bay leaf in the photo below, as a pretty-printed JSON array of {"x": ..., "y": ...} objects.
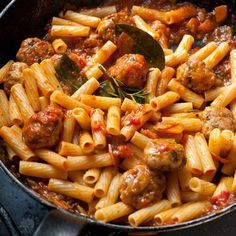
[{"x": 145, "y": 44}]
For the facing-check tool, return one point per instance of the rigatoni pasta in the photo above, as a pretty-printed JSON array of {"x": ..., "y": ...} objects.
[
  {"x": 41, "y": 170},
  {"x": 153, "y": 141}
]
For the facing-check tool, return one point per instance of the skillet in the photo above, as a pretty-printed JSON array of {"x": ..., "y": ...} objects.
[{"x": 22, "y": 19}]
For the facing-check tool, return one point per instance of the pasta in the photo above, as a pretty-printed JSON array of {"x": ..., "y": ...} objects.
[
  {"x": 13, "y": 137},
  {"x": 193, "y": 159},
  {"x": 70, "y": 149},
  {"x": 173, "y": 190},
  {"x": 99, "y": 11},
  {"x": 59, "y": 46},
  {"x": 113, "y": 120},
  {"x": 100, "y": 102},
  {"x": 31, "y": 89},
  {"x": 82, "y": 19},
  {"x": 191, "y": 211},
  {"x": 146, "y": 214},
  {"x": 69, "y": 31},
  {"x": 86, "y": 142},
  {"x": 82, "y": 117},
  {"x": 88, "y": 162},
  {"x": 41, "y": 170},
  {"x": 4, "y": 70},
  {"x": 126, "y": 111},
  {"x": 166, "y": 75},
  {"x": 69, "y": 127},
  {"x": 112, "y": 194},
  {"x": 22, "y": 101},
  {"x": 103, "y": 183},
  {"x": 113, "y": 212},
  {"x": 186, "y": 94},
  {"x": 141, "y": 24},
  {"x": 4, "y": 107},
  {"x": 52, "y": 158},
  {"x": 164, "y": 100},
  {"x": 43, "y": 82},
  {"x": 104, "y": 52},
  {"x": 74, "y": 190},
  {"x": 91, "y": 176},
  {"x": 201, "y": 186},
  {"x": 65, "y": 101},
  {"x": 204, "y": 154},
  {"x": 152, "y": 81},
  {"x": 87, "y": 88},
  {"x": 98, "y": 128}
]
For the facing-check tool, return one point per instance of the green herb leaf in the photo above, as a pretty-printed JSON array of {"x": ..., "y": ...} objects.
[
  {"x": 115, "y": 88},
  {"x": 69, "y": 73},
  {"x": 145, "y": 44}
]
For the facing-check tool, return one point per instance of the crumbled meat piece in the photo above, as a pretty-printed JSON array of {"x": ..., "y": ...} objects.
[
  {"x": 130, "y": 69},
  {"x": 43, "y": 128},
  {"x": 34, "y": 50},
  {"x": 196, "y": 76},
  {"x": 92, "y": 41},
  {"x": 164, "y": 155},
  {"x": 220, "y": 34},
  {"x": 106, "y": 28},
  {"x": 216, "y": 117},
  {"x": 140, "y": 186},
  {"x": 14, "y": 75},
  {"x": 222, "y": 71}
]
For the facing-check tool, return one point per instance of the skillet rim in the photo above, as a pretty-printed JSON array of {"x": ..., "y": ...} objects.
[{"x": 127, "y": 228}]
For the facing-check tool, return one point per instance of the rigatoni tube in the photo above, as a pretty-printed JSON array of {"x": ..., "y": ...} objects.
[
  {"x": 88, "y": 162},
  {"x": 41, "y": 170},
  {"x": 113, "y": 212},
  {"x": 70, "y": 189}
]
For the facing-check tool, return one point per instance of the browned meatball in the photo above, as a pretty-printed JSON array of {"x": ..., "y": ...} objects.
[
  {"x": 106, "y": 28},
  {"x": 34, "y": 50},
  {"x": 140, "y": 186},
  {"x": 43, "y": 128},
  {"x": 196, "y": 76},
  {"x": 14, "y": 75},
  {"x": 163, "y": 155},
  {"x": 130, "y": 69},
  {"x": 216, "y": 117}
]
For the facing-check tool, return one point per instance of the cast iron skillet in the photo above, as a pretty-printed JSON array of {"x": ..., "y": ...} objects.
[{"x": 22, "y": 19}]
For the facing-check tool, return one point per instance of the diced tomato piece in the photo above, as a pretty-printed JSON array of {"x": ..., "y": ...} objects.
[
  {"x": 221, "y": 199},
  {"x": 98, "y": 126},
  {"x": 135, "y": 121}
]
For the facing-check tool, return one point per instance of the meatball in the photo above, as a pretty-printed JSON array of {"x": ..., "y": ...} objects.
[
  {"x": 216, "y": 117},
  {"x": 140, "y": 186},
  {"x": 106, "y": 28},
  {"x": 130, "y": 69},
  {"x": 43, "y": 128},
  {"x": 14, "y": 75},
  {"x": 163, "y": 155},
  {"x": 34, "y": 50},
  {"x": 196, "y": 76}
]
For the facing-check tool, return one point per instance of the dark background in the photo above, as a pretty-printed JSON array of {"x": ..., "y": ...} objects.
[{"x": 28, "y": 214}]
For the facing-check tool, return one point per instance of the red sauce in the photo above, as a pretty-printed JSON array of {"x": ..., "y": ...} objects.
[
  {"x": 98, "y": 126},
  {"x": 221, "y": 199},
  {"x": 135, "y": 121}
]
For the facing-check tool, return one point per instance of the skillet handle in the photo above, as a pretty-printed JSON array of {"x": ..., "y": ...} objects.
[
  {"x": 19, "y": 211},
  {"x": 60, "y": 224},
  {"x": 24, "y": 215}
]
